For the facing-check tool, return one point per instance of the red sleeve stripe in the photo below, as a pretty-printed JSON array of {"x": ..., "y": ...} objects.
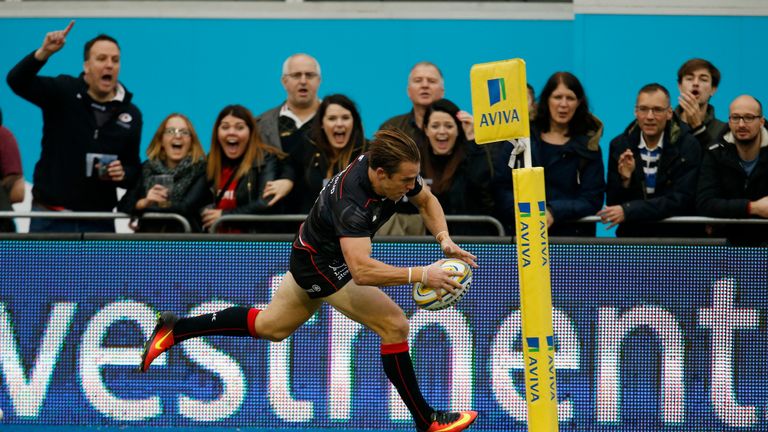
[{"x": 344, "y": 177}]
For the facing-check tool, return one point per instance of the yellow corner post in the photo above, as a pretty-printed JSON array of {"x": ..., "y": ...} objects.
[
  {"x": 535, "y": 298},
  {"x": 500, "y": 109}
]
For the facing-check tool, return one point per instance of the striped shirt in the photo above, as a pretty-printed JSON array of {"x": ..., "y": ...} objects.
[{"x": 650, "y": 158}]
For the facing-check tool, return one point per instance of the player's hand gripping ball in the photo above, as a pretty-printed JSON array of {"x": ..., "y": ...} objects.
[{"x": 425, "y": 296}]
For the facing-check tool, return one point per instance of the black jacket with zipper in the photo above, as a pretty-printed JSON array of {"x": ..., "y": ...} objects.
[
  {"x": 675, "y": 184},
  {"x": 250, "y": 189},
  {"x": 725, "y": 189},
  {"x": 70, "y": 131}
]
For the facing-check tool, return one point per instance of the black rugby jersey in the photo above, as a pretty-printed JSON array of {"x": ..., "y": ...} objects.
[{"x": 347, "y": 207}]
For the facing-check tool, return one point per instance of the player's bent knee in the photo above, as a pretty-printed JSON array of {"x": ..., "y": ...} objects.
[
  {"x": 271, "y": 331},
  {"x": 274, "y": 335},
  {"x": 394, "y": 328}
]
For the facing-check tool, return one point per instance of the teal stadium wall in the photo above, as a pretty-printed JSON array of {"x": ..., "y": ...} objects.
[{"x": 196, "y": 66}]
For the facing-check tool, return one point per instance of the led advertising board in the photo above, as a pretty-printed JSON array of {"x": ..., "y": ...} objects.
[{"x": 647, "y": 338}]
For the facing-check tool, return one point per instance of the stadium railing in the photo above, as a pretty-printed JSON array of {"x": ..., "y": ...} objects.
[
  {"x": 300, "y": 217},
  {"x": 692, "y": 219},
  {"x": 95, "y": 216},
  {"x": 288, "y": 218}
]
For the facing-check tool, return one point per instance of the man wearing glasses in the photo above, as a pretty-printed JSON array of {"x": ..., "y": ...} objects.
[
  {"x": 284, "y": 126},
  {"x": 85, "y": 118},
  {"x": 697, "y": 80},
  {"x": 652, "y": 169},
  {"x": 301, "y": 80},
  {"x": 734, "y": 174}
]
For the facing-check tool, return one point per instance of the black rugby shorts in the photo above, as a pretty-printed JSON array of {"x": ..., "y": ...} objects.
[{"x": 319, "y": 276}]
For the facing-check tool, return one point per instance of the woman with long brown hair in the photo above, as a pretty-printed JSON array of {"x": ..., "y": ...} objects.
[
  {"x": 242, "y": 169},
  {"x": 455, "y": 169},
  {"x": 565, "y": 141},
  {"x": 334, "y": 139}
]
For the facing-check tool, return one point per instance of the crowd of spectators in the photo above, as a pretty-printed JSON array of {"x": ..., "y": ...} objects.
[{"x": 669, "y": 161}]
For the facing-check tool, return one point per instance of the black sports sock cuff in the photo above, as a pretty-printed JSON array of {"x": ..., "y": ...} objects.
[{"x": 228, "y": 322}]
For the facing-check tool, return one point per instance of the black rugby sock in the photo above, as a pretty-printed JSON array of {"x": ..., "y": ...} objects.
[
  {"x": 399, "y": 370},
  {"x": 234, "y": 321}
]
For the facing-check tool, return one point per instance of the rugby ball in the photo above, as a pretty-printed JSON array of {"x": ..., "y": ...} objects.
[{"x": 425, "y": 296}]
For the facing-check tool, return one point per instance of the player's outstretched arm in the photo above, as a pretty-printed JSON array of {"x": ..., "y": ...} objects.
[
  {"x": 368, "y": 271},
  {"x": 434, "y": 218}
]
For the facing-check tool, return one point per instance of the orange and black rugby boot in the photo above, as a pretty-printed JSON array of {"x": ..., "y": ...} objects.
[
  {"x": 160, "y": 340},
  {"x": 450, "y": 421}
]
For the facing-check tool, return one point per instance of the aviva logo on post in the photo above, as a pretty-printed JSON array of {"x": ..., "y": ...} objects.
[
  {"x": 499, "y": 101},
  {"x": 525, "y": 209},
  {"x": 497, "y": 91},
  {"x": 533, "y": 344}
]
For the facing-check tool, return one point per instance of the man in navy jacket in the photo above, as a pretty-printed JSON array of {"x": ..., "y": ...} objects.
[
  {"x": 652, "y": 170},
  {"x": 734, "y": 174},
  {"x": 85, "y": 117}
]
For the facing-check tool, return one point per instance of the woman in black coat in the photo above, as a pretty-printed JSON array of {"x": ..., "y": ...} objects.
[
  {"x": 245, "y": 175},
  {"x": 455, "y": 169},
  {"x": 172, "y": 180}
]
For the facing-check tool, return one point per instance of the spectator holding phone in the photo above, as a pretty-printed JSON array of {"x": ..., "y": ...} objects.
[{"x": 172, "y": 180}]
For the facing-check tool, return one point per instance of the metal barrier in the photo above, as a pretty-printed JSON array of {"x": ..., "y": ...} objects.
[
  {"x": 95, "y": 216},
  {"x": 300, "y": 217},
  {"x": 256, "y": 218},
  {"x": 690, "y": 219},
  {"x": 478, "y": 219}
]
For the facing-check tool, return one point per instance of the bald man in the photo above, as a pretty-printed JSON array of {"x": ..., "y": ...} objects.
[
  {"x": 733, "y": 182},
  {"x": 284, "y": 126},
  {"x": 301, "y": 80},
  {"x": 84, "y": 117}
]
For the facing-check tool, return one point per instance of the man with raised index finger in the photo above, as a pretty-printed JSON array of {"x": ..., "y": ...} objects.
[{"x": 84, "y": 117}]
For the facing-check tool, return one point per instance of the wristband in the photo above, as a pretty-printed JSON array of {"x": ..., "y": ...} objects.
[
  {"x": 409, "y": 274},
  {"x": 437, "y": 237},
  {"x": 424, "y": 275}
]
